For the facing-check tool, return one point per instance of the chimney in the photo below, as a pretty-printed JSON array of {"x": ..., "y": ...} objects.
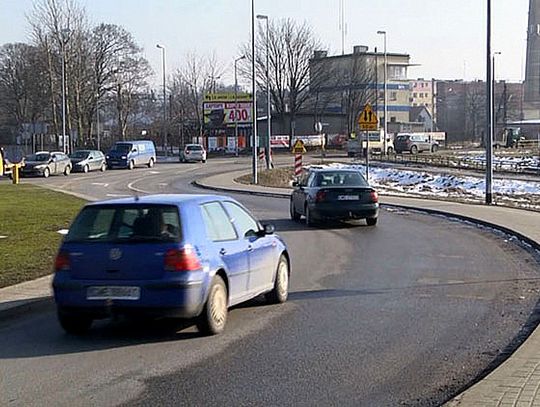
[{"x": 360, "y": 49}]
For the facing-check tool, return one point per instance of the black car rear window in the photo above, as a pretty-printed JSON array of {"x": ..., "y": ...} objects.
[
  {"x": 402, "y": 138},
  {"x": 340, "y": 178},
  {"x": 194, "y": 148},
  {"x": 132, "y": 223}
]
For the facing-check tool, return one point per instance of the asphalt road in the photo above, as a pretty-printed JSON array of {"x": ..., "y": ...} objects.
[{"x": 405, "y": 313}]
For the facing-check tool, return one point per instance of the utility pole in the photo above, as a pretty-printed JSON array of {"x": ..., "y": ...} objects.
[
  {"x": 385, "y": 92},
  {"x": 268, "y": 107},
  {"x": 254, "y": 92},
  {"x": 489, "y": 112},
  {"x": 164, "y": 100}
]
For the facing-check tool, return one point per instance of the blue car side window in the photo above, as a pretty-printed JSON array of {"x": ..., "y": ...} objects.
[{"x": 217, "y": 223}]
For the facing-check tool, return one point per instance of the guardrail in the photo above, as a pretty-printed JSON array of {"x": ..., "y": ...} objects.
[{"x": 446, "y": 161}]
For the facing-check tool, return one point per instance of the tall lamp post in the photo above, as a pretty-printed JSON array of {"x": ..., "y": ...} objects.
[
  {"x": 489, "y": 112},
  {"x": 162, "y": 48},
  {"x": 385, "y": 77},
  {"x": 236, "y": 100},
  {"x": 63, "y": 41},
  {"x": 254, "y": 93},
  {"x": 268, "y": 107}
]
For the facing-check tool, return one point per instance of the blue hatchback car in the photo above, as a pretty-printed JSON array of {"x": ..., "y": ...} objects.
[{"x": 166, "y": 256}]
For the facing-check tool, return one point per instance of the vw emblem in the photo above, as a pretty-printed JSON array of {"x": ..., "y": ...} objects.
[{"x": 115, "y": 254}]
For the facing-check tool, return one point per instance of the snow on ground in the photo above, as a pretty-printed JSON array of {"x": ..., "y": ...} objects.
[{"x": 393, "y": 181}]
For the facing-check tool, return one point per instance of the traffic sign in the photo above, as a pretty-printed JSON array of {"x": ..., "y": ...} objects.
[
  {"x": 298, "y": 147},
  {"x": 368, "y": 118}
]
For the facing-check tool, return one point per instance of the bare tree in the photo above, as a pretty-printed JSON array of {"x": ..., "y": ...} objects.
[
  {"x": 291, "y": 46},
  {"x": 190, "y": 83},
  {"x": 23, "y": 94}
]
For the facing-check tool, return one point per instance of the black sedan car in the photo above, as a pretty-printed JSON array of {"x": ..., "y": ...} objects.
[{"x": 326, "y": 193}]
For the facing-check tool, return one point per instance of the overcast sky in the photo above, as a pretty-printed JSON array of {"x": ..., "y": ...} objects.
[{"x": 445, "y": 37}]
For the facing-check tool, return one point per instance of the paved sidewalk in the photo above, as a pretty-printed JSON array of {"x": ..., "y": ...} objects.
[{"x": 516, "y": 382}]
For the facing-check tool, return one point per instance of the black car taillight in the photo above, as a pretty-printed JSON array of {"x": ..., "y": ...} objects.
[
  {"x": 320, "y": 196},
  {"x": 183, "y": 259},
  {"x": 374, "y": 196},
  {"x": 62, "y": 262}
]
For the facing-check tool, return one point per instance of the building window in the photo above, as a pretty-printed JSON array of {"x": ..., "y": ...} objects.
[
  {"x": 393, "y": 119},
  {"x": 415, "y": 95},
  {"x": 393, "y": 96},
  {"x": 397, "y": 72}
]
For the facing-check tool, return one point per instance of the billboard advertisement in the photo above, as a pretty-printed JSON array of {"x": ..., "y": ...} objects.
[{"x": 220, "y": 110}]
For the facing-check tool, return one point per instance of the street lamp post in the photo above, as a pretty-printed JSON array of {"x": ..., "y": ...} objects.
[
  {"x": 236, "y": 100},
  {"x": 385, "y": 76},
  {"x": 63, "y": 41},
  {"x": 254, "y": 92},
  {"x": 489, "y": 112},
  {"x": 493, "y": 92},
  {"x": 268, "y": 107},
  {"x": 162, "y": 48}
]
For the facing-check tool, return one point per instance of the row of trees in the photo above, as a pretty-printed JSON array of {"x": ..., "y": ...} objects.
[{"x": 105, "y": 72}]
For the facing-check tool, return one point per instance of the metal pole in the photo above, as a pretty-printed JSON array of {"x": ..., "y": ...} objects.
[
  {"x": 489, "y": 112},
  {"x": 235, "y": 106},
  {"x": 254, "y": 93},
  {"x": 268, "y": 107},
  {"x": 63, "y": 97},
  {"x": 97, "y": 123},
  {"x": 164, "y": 104},
  {"x": 385, "y": 95}
]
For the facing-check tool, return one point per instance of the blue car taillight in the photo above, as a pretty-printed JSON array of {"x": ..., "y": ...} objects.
[
  {"x": 183, "y": 259},
  {"x": 62, "y": 262}
]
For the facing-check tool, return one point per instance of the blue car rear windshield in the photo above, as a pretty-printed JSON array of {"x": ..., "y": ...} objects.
[{"x": 136, "y": 223}]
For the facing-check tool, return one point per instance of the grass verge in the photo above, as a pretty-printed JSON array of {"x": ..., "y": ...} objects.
[
  {"x": 30, "y": 217},
  {"x": 276, "y": 178}
]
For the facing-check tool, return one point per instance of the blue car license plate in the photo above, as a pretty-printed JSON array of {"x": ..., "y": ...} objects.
[{"x": 113, "y": 293}]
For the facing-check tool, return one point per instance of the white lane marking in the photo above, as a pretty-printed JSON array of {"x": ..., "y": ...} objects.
[
  {"x": 162, "y": 184},
  {"x": 118, "y": 195},
  {"x": 154, "y": 172},
  {"x": 101, "y": 184}
]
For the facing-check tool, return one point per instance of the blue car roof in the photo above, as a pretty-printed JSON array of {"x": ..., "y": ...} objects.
[{"x": 168, "y": 199}]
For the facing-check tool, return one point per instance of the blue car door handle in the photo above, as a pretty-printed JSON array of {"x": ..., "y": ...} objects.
[{"x": 223, "y": 252}]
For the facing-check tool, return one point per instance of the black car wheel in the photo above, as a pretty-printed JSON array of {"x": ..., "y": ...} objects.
[
  {"x": 280, "y": 292},
  {"x": 67, "y": 170},
  {"x": 414, "y": 150},
  {"x": 86, "y": 168},
  {"x": 434, "y": 148},
  {"x": 371, "y": 221},
  {"x": 75, "y": 324},
  {"x": 103, "y": 167},
  {"x": 294, "y": 215},
  {"x": 151, "y": 163},
  {"x": 214, "y": 315},
  {"x": 46, "y": 172},
  {"x": 389, "y": 150},
  {"x": 131, "y": 165}
]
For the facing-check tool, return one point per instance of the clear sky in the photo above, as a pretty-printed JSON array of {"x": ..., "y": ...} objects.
[{"x": 445, "y": 37}]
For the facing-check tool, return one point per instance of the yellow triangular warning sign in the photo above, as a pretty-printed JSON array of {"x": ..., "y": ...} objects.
[{"x": 298, "y": 147}]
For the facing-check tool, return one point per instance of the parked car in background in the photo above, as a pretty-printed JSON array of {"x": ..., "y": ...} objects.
[
  {"x": 166, "y": 255},
  {"x": 333, "y": 194},
  {"x": 193, "y": 152},
  {"x": 415, "y": 143},
  {"x": 88, "y": 160},
  {"x": 44, "y": 163},
  {"x": 129, "y": 154}
]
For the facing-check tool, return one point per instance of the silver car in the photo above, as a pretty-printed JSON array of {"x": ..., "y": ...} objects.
[
  {"x": 193, "y": 152},
  {"x": 88, "y": 160}
]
